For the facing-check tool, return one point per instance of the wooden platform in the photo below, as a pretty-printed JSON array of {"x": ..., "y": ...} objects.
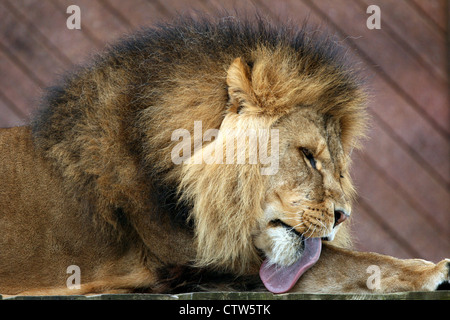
[
  {"x": 403, "y": 175},
  {"x": 436, "y": 295}
]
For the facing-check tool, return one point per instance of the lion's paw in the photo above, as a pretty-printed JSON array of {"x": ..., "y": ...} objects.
[
  {"x": 427, "y": 276},
  {"x": 443, "y": 278}
]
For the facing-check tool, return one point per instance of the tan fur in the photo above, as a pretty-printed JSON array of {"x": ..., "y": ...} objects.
[
  {"x": 93, "y": 184},
  {"x": 345, "y": 271}
]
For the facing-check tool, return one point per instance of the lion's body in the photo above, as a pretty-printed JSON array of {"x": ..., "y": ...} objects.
[
  {"x": 44, "y": 231},
  {"x": 92, "y": 182}
]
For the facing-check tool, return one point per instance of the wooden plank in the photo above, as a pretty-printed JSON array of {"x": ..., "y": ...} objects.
[
  {"x": 440, "y": 225},
  {"x": 73, "y": 44},
  {"x": 16, "y": 8},
  {"x": 116, "y": 13},
  {"x": 411, "y": 30},
  {"x": 174, "y": 8},
  {"x": 19, "y": 91},
  {"x": 139, "y": 13},
  {"x": 20, "y": 41},
  {"x": 371, "y": 235},
  {"x": 435, "y": 10},
  {"x": 408, "y": 174},
  {"x": 411, "y": 132},
  {"x": 233, "y": 6},
  {"x": 411, "y": 227},
  {"x": 424, "y": 92},
  {"x": 9, "y": 117}
]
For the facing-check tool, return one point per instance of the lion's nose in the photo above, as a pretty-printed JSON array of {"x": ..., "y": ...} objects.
[{"x": 339, "y": 217}]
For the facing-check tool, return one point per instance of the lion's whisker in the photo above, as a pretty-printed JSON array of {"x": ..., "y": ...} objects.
[
  {"x": 324, "y": 227},
  {"x": 310, "y": 225},
  {"x": 297, "y": 225}
]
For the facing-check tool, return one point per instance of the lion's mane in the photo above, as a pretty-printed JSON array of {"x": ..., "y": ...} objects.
[{"x": 106, "y": 127}]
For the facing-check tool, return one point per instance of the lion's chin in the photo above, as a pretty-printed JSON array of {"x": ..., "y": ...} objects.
[
  {"x": 286, "y": 246},
  {"x": 282, "y": 245}
]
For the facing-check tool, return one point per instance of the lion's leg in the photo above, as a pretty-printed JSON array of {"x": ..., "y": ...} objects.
[
  {"x": 341, "y": 270},
  {"x": 103, "y": 283},
  {"x": 92, "y": 288}
]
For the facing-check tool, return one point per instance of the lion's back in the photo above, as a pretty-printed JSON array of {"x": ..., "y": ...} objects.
[
  {"x": 17, "y": 159},
  {"x": 30, "y": 196}
]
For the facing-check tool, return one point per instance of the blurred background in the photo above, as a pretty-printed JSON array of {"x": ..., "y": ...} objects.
[{"x": 403, "y": 173}]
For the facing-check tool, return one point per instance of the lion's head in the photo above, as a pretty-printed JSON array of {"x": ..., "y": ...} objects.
[{"x": 317, "y": 113}]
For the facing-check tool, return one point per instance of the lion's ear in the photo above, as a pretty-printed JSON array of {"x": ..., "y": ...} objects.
[{"x": 240, "y": 91}]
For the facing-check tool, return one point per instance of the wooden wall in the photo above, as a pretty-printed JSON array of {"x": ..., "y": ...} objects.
[{"x": 403, "y": 174}]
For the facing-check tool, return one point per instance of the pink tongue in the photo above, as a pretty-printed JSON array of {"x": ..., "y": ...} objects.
[{"x": 278, "y": 279}]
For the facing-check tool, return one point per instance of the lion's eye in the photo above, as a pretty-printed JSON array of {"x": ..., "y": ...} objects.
[{"x": 309, "y": 156}]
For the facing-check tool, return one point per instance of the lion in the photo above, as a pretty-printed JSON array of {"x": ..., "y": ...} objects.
[{"x": 93, "y": 202}]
